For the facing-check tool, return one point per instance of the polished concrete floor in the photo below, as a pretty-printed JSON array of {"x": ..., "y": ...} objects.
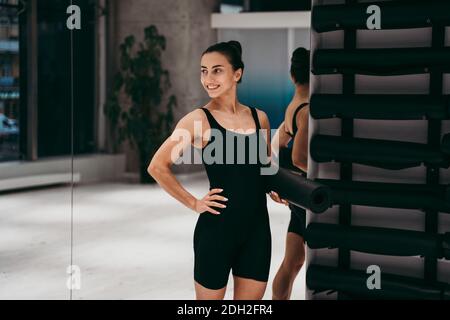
[{"x": 129, "y": 241}]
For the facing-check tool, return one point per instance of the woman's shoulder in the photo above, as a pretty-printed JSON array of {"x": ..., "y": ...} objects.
[
  {"x": 295, "y": 109},
  {"x": 197, "y": 114},
  {"x": 259, "y": 111},
  {"x": 303, "y": 111},
  {"x": 299, "y": 110},
  {"x": 190, "y": 118},
  {"x": 302, "y": 116},
  {"x": 263, "y": 118},
  {"x": 262, "y": 114}
]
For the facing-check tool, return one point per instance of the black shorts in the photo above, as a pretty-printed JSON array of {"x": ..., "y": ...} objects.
[
  {"x": 221, "y": 247},
  {"x": 298, "y": 220}
]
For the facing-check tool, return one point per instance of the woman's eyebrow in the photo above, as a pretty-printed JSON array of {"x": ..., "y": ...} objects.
[{"x": 216, "y": 66}]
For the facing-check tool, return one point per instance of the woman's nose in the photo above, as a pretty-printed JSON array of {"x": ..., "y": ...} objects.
[{"x": 209, "y": 78}]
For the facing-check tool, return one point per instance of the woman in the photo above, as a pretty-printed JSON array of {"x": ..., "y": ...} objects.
[
  {"x": 294, "y": 127},
  {"x": 232, "y": 231}
]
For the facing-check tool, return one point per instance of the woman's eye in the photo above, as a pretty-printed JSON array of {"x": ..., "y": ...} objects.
[
  {"x": 217, "y": 71},
  {"x": 203, "y": 72}
]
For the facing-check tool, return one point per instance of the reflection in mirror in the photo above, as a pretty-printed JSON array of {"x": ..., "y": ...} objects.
[{"x": 131, "y": 239}]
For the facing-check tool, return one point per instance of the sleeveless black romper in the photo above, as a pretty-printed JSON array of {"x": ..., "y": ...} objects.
[
  {"x": 297, "y": 224},
  {"x": 238, "y": 239}
]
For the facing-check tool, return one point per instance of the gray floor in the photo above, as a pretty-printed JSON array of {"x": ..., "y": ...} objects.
[{"x": 130, "y": 242}]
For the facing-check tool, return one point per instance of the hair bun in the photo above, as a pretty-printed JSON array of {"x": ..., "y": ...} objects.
[
  {"x": 236, "y": 44},
  {"x": 300, "y": 65},
  {"x": 300, "y": 56}
]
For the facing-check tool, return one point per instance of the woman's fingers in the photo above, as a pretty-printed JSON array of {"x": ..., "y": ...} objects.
[
  {"x": 275, "y": 197},
  {"x": 212, "y": 195},
  {"x": 215, "y": 204},
  {"x": 213, "y": 191},
  {"x": 211, "y": 210},
  {"x": 217, "y": 197}
]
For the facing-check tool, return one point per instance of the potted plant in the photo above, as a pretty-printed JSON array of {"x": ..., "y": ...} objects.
[{"x": 146, "y": 118}]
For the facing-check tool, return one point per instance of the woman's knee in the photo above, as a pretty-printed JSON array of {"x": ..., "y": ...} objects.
[
  {"x": 295, "y": 252},
  {"x": 203, "y": 293},
  {"x": 248, "y": 289},
  {"x": 294, "y": 263}
]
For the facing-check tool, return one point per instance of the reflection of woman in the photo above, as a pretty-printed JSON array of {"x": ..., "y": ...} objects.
[
  {"x": 294, "y": 127},
  {"x": 232, "y": 231}
]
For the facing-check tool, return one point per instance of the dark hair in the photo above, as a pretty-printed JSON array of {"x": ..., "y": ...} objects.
[
  {"x": 232, "y": 50},
  {"x": 300, "y": 66}
]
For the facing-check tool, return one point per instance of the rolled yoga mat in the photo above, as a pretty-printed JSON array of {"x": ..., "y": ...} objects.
[
  {"x": 394, "y": 15},
  {"x": 382, "y": 62},
  {"x": 387, "y": 154},
  {"x": 445, "y": 144},
  {"x": 354, "y": 284},
  {"x": 298, "y": 190},
  {"x": 380, "y": 107},
  {"x": 383, "y": 241},
  {"x": 389, "y": 195}
]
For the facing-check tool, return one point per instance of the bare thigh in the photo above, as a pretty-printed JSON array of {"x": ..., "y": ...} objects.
[
  {"x": 248, "y": 289},
  {"x": 203, "y": 293}
]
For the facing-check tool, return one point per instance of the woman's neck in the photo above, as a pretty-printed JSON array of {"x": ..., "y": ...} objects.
[
  {"x": 227, "y": 103},
  {"x": 301, "y": 93}
]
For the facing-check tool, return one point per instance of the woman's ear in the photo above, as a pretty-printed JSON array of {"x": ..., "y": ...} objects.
[
  {"x": 292, "y": 79},
  {"x": 237, "y": 75}
]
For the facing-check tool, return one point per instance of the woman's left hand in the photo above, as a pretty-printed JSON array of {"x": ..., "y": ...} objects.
[{"x": 275, "y": 197}]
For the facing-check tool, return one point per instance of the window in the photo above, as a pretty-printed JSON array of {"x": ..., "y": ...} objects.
[
  {"x": 54, "y": 79},
  {"x": 234, "y": 6},
  {"x": 9, "y": 80},
  {"x": 54, "y": 96}
]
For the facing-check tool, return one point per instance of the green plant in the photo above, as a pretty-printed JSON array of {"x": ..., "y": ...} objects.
[{"x": 142, "y": 120}]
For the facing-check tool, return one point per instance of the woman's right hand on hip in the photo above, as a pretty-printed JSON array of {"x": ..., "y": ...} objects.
[{"x": 209, "y": 201}]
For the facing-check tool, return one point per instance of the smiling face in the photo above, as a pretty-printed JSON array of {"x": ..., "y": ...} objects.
[{"x": 217, "y": 74}]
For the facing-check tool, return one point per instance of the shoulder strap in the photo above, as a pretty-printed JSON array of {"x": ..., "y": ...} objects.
[
  {"x": 294, "y": 118},
  {"x": 212, "y": 122},
  {"x": 255, "y": 118}
]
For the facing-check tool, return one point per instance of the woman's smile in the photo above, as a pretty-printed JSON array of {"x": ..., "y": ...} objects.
[{"x": 212, "y": 87}]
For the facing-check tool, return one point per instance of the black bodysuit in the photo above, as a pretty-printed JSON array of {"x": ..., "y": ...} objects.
[
  {"x": 239, "y": 238},
  {"x": 297, "y": 224}
]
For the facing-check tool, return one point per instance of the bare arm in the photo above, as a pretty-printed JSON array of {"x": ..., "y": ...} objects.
[
  {"x": 300, "y": 145},
  {"x": 280, "y": 139},
  {"x": 182, "y": 138}
]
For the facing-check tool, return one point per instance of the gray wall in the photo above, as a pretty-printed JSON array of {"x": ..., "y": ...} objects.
[{"x": 187, "y": 28}]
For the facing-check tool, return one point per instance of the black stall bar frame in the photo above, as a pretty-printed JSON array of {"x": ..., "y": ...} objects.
[
  {"x": 434, "y": 139},
  {"x": 346, "y": 168}
]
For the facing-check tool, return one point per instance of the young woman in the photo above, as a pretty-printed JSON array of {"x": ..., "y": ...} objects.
[
  {"x": 232, "y": 231},
  {"x": 294, "y": 127}
]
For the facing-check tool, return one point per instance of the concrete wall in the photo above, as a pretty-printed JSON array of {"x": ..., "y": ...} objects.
[{"x": 187, "y": 28}]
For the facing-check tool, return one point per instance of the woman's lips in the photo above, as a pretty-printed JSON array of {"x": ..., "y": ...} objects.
[{"x": 212, "y": 87}]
